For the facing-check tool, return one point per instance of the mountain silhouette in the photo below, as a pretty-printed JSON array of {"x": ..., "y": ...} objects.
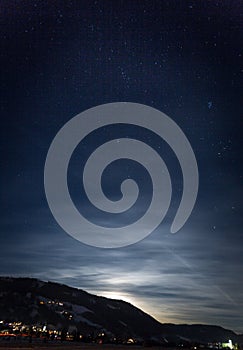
[{"x": 32, "y": 301}]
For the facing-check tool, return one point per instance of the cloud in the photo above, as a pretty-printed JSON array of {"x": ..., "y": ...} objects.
[{"x": 186, "y": 277}]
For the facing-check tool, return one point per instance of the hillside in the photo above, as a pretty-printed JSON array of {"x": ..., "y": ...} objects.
[{"x": 36, "y": 302}]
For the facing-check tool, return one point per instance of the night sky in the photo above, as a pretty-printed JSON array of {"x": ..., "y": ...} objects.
[{"x": 181, "y": 57}]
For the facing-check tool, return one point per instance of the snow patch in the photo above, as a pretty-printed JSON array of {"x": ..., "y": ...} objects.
[
  {"x": 123, "y": 323},
  {"x": 40, "y": 284},
  {"x": 79, "y": 309},
  {"x": 34, "y": 313},
  {"x": 113, "y": 307},
  {"x": 85, "y": 320}
]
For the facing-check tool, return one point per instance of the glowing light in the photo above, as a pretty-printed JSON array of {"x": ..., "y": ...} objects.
[{"x": 117, "y": 296}]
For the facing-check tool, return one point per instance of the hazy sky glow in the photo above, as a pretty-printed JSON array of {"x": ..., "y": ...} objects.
[{"x": 181, "y": 57}]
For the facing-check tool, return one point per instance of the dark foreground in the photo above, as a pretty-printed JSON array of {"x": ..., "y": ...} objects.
[{"x": 70, "y": 346}]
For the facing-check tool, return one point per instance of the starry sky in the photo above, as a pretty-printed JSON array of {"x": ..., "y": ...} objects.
[{"x": 181, "y": 57}]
